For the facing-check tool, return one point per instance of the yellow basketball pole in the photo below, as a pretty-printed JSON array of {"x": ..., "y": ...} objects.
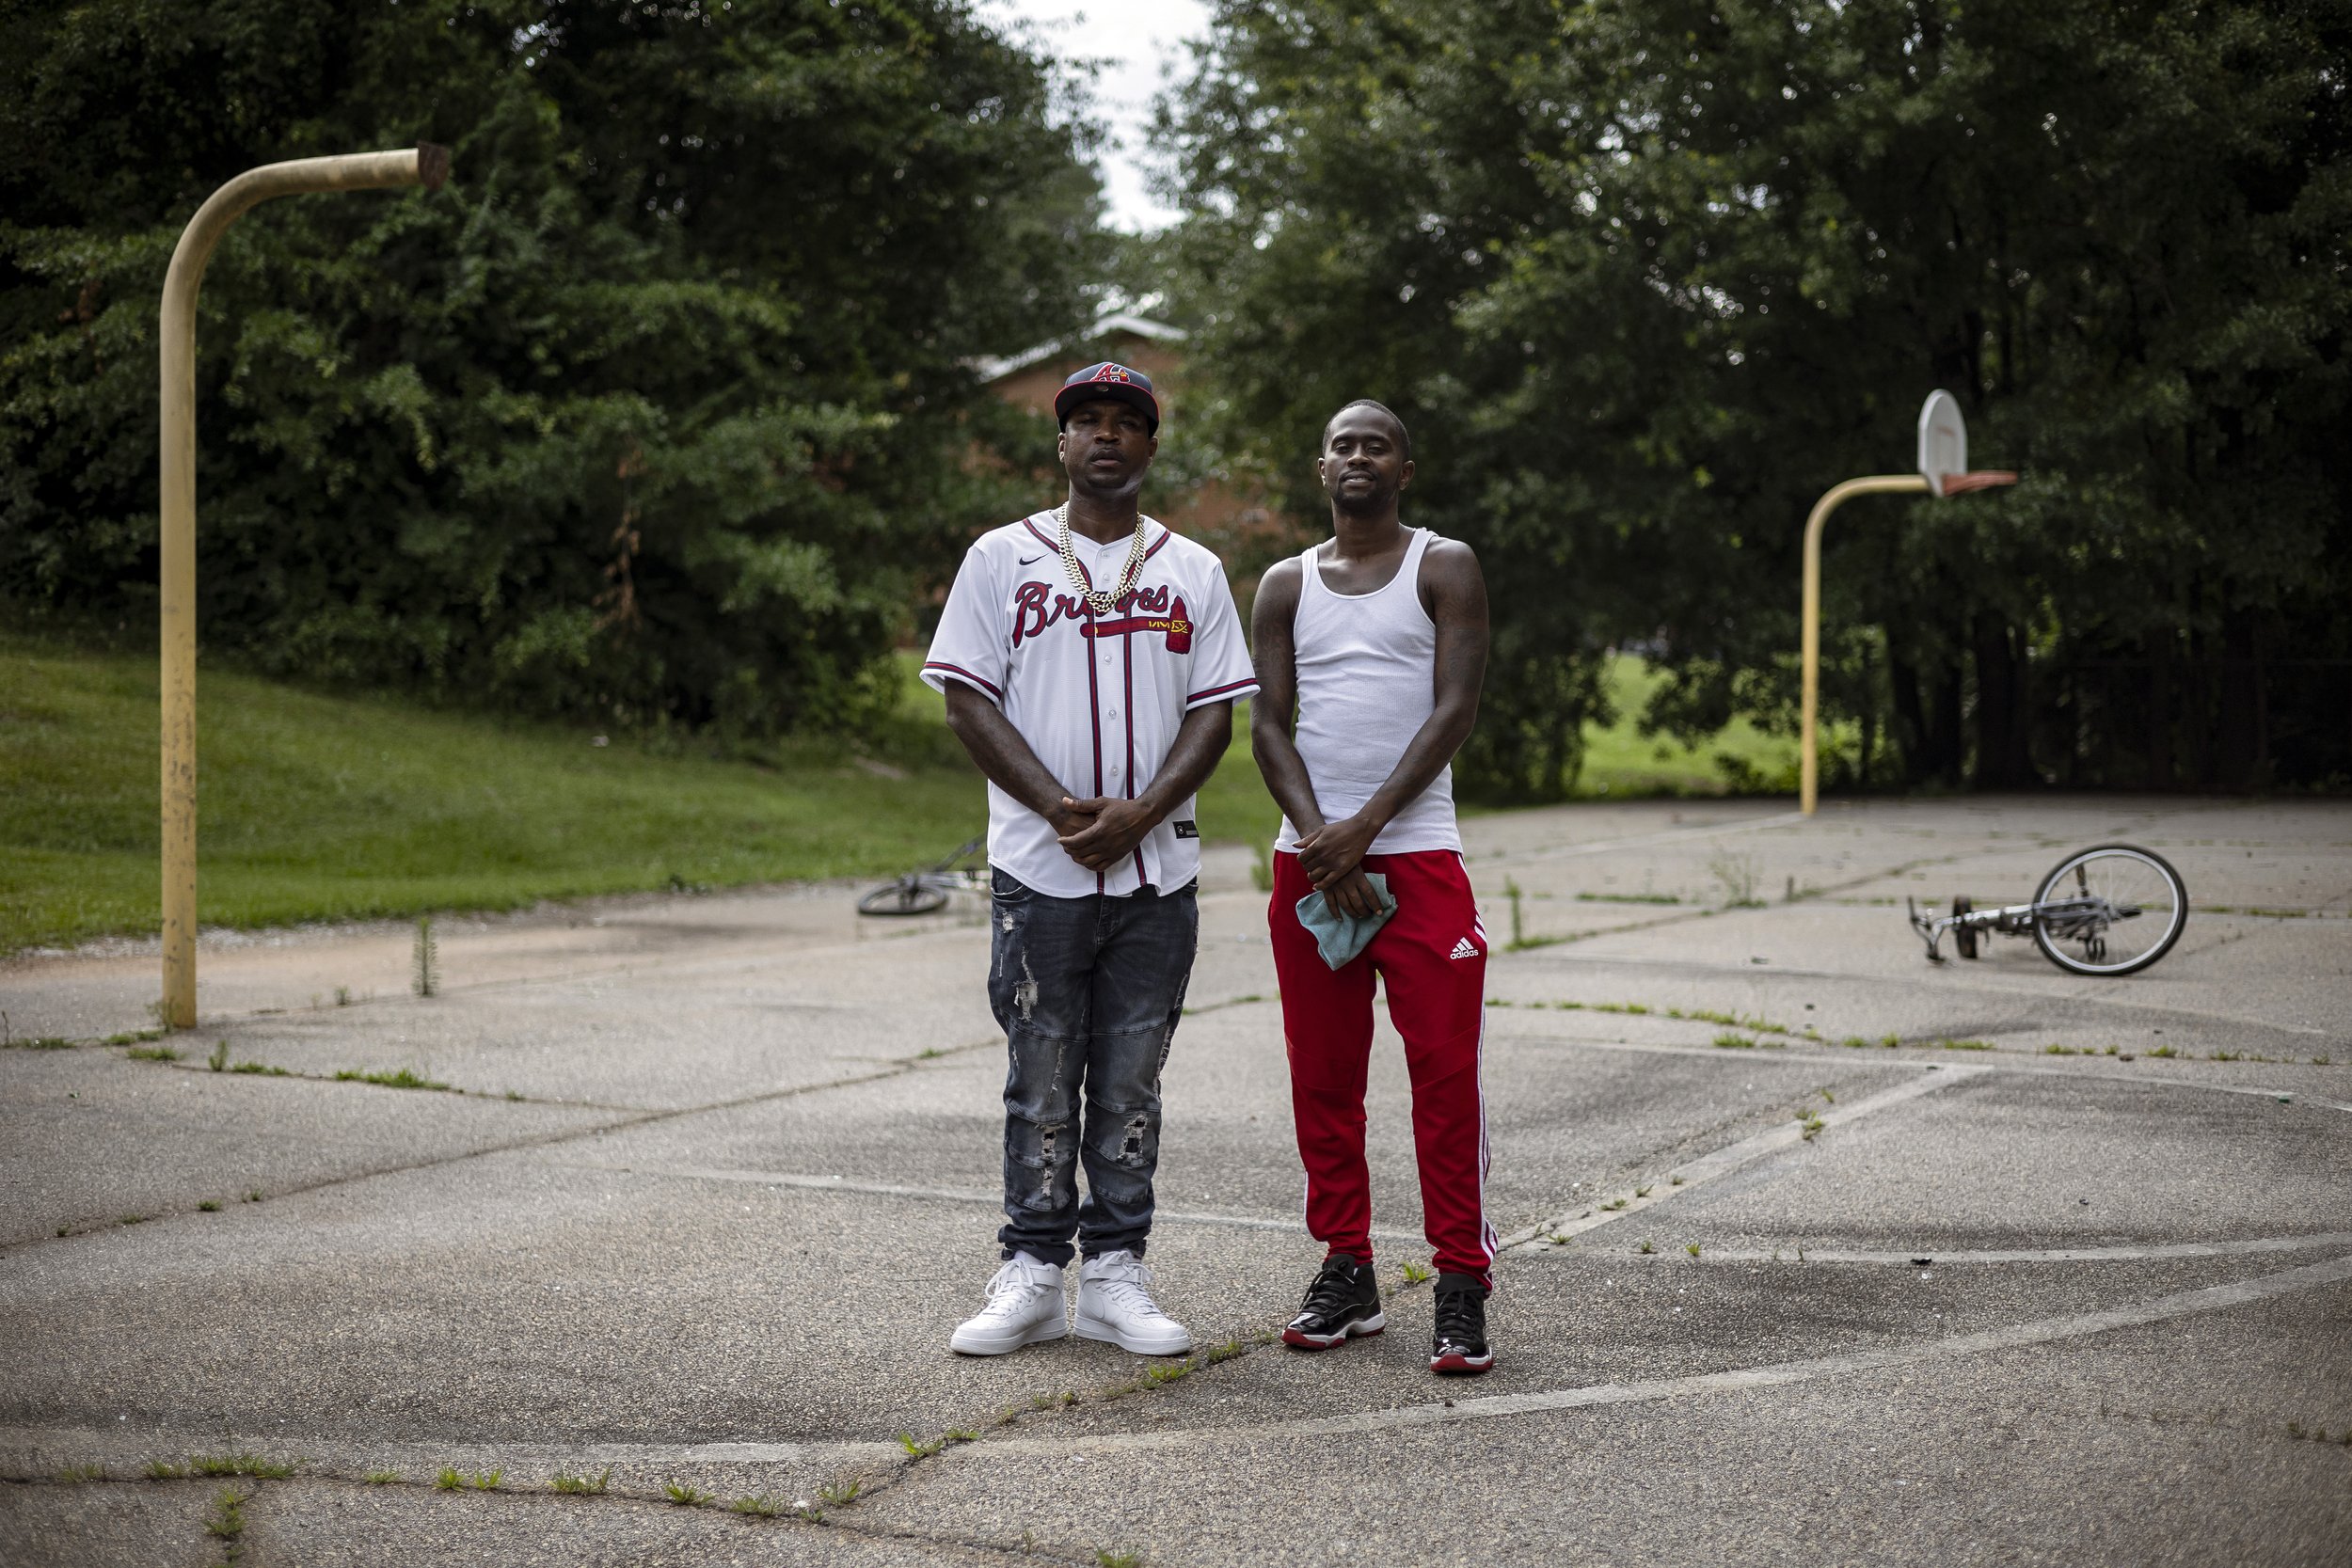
[
  {"x": 426, "y": 166},
  {"x": 1875, "y": 484}
]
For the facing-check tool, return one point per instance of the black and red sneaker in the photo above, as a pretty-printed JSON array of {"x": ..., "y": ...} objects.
[
  {"x": 1458, "y": 1347},
  {"x": 1343, "y": 1302}
]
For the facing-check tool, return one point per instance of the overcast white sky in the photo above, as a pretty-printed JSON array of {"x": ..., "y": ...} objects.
[{"x": 1138, "y": 40}]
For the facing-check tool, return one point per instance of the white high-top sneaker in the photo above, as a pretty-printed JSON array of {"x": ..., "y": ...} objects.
[
  {"x": 1026, "y": 1306},
  {"x": 1115, "y": 1305}
]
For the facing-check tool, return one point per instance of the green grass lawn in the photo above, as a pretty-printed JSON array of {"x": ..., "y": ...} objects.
[
  {"x": 1620, "y": 761},
  {"x": 321, "y": 807}
]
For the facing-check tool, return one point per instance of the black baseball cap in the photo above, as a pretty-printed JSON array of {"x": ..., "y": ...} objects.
[{"x": 1108, "y": 379}]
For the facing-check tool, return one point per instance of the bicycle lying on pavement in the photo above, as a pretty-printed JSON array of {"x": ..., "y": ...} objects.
[
  {"x": 928, "y": 889},
  {"x": 2111, "y": 910}
]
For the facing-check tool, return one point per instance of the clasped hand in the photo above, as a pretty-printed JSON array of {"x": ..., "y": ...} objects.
[
  {"x": 1101, "y": 832},
  {"x": 1332, "y": 857}
]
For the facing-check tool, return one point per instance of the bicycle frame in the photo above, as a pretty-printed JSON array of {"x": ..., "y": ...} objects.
[{"x": 2073, "y": 919}]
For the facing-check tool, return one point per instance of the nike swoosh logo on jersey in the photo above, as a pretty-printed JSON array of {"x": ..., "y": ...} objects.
[
  {"x": 1031, "y": 560},
  {"x": 1463, "y": 949}
]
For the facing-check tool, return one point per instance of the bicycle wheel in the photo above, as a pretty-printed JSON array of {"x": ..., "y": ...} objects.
[
  {"x": 2112, "y": 910},
  {"x": 1965, "y": 937},
  {"x": 907, "y": 895}
]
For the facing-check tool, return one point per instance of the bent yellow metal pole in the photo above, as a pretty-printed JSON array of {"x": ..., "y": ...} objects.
[
  {"x": 425, "y": 165},
  {"x": 1875, "y": 484}
]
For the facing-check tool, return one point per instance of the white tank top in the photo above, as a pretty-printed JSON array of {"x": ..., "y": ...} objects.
[{"x": 1367, "y": 682}]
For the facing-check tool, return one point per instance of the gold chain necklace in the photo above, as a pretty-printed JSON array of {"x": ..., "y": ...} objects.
[{"x": 1104, "y": 603}]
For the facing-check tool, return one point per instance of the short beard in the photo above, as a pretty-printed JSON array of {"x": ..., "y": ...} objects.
[{"x": 1379, "y": 498}]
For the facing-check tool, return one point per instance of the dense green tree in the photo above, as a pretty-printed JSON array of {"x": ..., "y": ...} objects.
[
  {"x": 1647, "y": 276},
  {"x": 661, "y": 409}
]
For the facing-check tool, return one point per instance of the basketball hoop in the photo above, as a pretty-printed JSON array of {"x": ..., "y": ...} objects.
[
  {"x": 1944, "y": 451},
  {"x": 1943, "y": 471}
]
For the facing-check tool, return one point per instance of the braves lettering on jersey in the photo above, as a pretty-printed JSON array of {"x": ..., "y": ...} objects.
[{"x": 1099, "y": 698}]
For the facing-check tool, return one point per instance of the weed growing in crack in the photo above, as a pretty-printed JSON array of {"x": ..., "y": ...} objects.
[
  {"x": 1809, "y": 1125},
  {"x": 684, "y": 1496},
  {"x": 1225, "y": 1352},
  {"x": 240, "y": 1464},
  {"x": 761, "y": 1507},
  {"x": 154, "y": 1054},
  {"x": 209, "y": 1206},
  {"x": 1640, "y": 1191},
  {"x": 1645, "y": 1248},
  {"x": 1673, "y": 1181},
  {"x": 2164, "y": 1050},
  {"x": 1890, "y": 1042},
  {"x": 1735, "y": 1042},
  {"x": 427, "y": 978},
  {"x": 131, "y": 1219},
  {"x": 342, "y": 996},
  {"x": 1415, "y": 1274},
  {"x": 840, "y": 1494},
  {"x": 1519, "y": 920},
  {"x": 382, "y": 1477},
  {"x": 448, "y": 1480},
  {"x": 218, "y": 1060},
  {"x": 1105, "y": 1557},
  {"x": 583, "y": 1487},
  {"x": 1829, "y": 1097},
  {"x": 929, "y": 1053},
  {"x": 226, "y": 1522},
  {"x": 254, "y": 1196},
  {"x": 920, "y": 1451},
  {"x": 1161, "y": 1376},
  {"x": 1693, "y": 1249},
  {"x": 260, "y": 1069},
  {"x": 1739, "y": 875},
  {"x": 2226, "y": 1056},
  {"x": 1965, "y": 1045},
  {"x": 1612, "y": 1205},
  {"x": 402, "y": 1079},
  {"x": 163, "y": 1469},
  {"x": 74, "y": 1475},
  {"x": 488, "y": 1480}
]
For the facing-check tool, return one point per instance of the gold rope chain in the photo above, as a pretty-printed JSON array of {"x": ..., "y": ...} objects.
[{"x": 1104, "y": 603}]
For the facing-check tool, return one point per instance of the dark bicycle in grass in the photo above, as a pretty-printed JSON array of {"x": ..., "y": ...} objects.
[{"x": 2111, "y": 910}]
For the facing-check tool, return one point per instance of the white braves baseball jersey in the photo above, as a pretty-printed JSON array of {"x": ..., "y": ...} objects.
[{"x": 1098, "y": 699}]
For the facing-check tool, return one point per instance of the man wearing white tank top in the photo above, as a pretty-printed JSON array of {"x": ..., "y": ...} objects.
[{"x": 1377, "y": 638}]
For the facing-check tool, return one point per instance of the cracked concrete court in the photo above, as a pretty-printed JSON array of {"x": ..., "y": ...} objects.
[{"x": 2062, "y": 1275}]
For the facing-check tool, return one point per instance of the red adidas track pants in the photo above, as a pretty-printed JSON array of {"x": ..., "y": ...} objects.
[{"x": 1432, "y": 957}]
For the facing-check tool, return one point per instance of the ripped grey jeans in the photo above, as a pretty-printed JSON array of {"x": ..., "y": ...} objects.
[{"x": 1087, "y": 992}]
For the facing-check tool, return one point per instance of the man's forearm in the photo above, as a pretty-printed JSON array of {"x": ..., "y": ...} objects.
[
  {"x": 1200, "y": 743},
  {"x": 1000, "y": 753},
  {"x": 1432, "y": 748},
  {"x": 1284, "y": 770}
]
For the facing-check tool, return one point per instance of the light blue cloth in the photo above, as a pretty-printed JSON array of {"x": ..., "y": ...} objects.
[{"x": 1339, "y": 937}]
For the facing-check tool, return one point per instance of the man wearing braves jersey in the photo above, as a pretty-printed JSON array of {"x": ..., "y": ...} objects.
[
  {"x": 1378, "y": 637},
  {"x": 1090, "y": 659}
]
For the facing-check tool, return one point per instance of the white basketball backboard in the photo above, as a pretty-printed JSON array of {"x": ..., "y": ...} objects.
[{"x": 1943, "y": 441}]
